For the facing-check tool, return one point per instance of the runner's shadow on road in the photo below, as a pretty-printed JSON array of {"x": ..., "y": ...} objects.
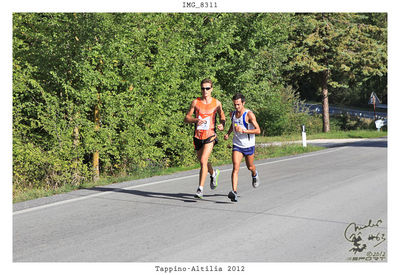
[{"x": 185, "y": 197}]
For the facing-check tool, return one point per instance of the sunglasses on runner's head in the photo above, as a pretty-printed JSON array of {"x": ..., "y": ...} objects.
[{"x": 205, "y": 88}]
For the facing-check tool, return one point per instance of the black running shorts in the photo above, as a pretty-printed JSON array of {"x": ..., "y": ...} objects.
[{"x": 198, "y": 143}]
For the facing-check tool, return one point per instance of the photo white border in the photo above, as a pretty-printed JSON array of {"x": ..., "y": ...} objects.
[{"x": 176, "y": 6}]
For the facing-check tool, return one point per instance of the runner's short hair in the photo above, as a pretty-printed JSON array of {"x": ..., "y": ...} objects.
[
  {"x": 206, "y": 80},
  {"x": 239, "y": 96}
]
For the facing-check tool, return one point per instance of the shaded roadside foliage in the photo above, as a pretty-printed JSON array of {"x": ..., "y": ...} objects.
[
  {"x": 339, "y": 55},
  {"x": 140, "y": 71}
]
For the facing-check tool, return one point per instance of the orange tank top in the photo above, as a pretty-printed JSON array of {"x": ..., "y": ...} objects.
[{"x": 208, "y": 112}]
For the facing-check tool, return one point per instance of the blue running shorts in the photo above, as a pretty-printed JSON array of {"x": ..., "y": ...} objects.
[{"x": 245, "y": 151}]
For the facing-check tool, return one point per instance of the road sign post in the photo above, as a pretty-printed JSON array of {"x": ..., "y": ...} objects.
[{"x": 373, "y": 99}]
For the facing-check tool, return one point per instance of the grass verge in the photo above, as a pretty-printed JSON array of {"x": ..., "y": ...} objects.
[
  {"x": 261, "y": 153},
  {"x": 329, "y": 135}
]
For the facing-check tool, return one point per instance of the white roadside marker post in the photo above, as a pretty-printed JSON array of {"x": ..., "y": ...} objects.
[{"x": 304, "y": 136}]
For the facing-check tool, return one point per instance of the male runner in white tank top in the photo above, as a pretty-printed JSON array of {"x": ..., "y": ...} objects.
[{"x": 245, "y": 127}]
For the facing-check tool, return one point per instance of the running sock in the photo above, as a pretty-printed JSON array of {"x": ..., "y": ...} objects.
[
  {"x": 201, "y": 188},
  {"x": 214, "y": 173}
]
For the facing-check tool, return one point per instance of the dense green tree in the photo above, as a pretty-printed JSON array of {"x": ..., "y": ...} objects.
[
  {"x": 341, "y": 50},
  {"x": 105, "y": 94},
  {"x": 252, "y": 65},
  {"x": 138, "y": 71}
]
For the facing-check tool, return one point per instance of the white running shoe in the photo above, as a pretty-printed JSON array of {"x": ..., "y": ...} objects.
[
  {"x": 199, "y": 194},
  {"x": 256, "y": 180},
  {"x": 214, "y": 180}
]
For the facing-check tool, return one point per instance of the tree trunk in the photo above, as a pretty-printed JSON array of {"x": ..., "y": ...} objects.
[
  {"x": 96, "y": 157},
  {"x": 325, "y": 103},
  {"x": 76, "y": 136},
  {"x": 76, "y": 160}
]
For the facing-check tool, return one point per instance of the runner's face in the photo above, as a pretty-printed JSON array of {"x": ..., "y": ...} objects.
[
  {"x": 239, "y": 105},
  {"x": 206, "y": 89}
]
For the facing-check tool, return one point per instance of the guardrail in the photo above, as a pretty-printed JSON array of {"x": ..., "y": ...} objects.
[{"x": 317, "y": 108}]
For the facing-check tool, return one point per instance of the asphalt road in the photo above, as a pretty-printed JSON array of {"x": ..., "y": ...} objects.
[{"x": 309, "y": 208}]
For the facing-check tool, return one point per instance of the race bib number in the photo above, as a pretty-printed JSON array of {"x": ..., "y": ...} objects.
[{"x": 206, "y": 125}]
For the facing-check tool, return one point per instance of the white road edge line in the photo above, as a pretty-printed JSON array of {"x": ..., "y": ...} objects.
[{"x": 161, "y": 181}]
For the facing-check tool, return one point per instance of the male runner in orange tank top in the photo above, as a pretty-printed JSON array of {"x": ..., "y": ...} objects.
[{"x": 205, "y": 109}]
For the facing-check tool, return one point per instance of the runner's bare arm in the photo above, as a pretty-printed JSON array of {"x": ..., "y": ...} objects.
[
  {"x": 230, "y": 128},
  {"x": 252, "y": 119},
  {"x": 189, "y": 115},
  {"x": 222, "y": 118},
  {"x": 228, "y": 133}
]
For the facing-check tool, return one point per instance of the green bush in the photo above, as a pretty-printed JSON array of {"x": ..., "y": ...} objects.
[
  {"x": 35, "y": 168},
  {"x": 280, "y": 114},
  {"x": 141, "y": 71},
  {"x": 313, "y": 123},
  {"x": 345, "y": 122}
]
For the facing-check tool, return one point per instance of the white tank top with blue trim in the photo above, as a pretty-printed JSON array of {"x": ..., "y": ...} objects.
[{"x": 239, "y": 139}]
